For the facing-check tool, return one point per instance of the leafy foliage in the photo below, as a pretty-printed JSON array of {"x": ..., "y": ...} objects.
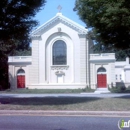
[
  {"x": 25, "y": 52},
  {"x": 3, "y": 71},
  {"x": 110, "y": 20},
  {"x": 119, "y": 54},
  {"x": 16, "y": 22},
  {"x": 119, "y": 89},
  {"x": 21, "y": 49}
]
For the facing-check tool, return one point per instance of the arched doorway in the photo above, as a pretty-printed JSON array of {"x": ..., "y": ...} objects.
[
  {"x": 101, "y": 78},
  {"x": 21, "y": 78}
]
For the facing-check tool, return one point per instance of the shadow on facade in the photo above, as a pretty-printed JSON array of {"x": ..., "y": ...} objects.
[{"x": 11, "y": 79}]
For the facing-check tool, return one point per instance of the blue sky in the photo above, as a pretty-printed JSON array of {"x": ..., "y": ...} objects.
[{"x": 50, "y": 10}]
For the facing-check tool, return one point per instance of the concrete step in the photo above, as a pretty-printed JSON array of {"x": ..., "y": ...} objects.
[{"x": 102, "y": 90}]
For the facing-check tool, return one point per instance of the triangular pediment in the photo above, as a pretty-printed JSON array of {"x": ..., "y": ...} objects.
[{"x": 62, "y": 19}]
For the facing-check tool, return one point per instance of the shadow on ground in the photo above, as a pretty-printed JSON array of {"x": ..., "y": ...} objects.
[
  {"x": 47, "y": 100},
  {"x": 124, "y": 97}
]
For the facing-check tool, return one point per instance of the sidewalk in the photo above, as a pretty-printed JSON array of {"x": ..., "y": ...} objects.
[
  {"x": 66, "y": 113},
  {"x": 110, "y": 95}
]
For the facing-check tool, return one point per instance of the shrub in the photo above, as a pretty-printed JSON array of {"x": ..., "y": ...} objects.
[{"x": 119, "y": 89}]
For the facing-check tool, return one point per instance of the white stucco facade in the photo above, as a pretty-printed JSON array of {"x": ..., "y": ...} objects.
[
  {"x": 106, "y": 60},
  {"x": 81, "y": 68},
  {"x": 122, "y": 73}
]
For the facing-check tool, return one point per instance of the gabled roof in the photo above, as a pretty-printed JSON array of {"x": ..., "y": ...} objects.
[{"x": 59, "y": 17}]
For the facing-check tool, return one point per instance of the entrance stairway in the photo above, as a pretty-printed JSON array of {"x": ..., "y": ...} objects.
[{"x": 102, "y": 90}]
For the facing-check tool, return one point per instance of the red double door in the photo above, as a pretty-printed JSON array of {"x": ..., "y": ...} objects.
[
  {"x": 21, "y": 81},
  {"x": 101, "y": 81}
]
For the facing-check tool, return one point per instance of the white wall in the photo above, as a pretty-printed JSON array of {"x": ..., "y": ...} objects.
[
  {"x": 74, "y": 71},
  {"x": 83, "y": 60},
  {"x": 122, "y": 73},
  {"x": 34, "y": 69},
  {"x": 16, "y": 63},
  {"x": 102, "y": 60},
  {"x": 52, "y": 69}
]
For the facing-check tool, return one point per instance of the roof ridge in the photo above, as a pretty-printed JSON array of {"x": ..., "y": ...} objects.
[{"x": 70, "y": 22}]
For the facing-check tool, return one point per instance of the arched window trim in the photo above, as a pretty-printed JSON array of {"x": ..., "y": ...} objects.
[
  {"x": 20, "y": 72},
  {"x": 57, "y": 50},
  {"x": 101, "y": 69}
]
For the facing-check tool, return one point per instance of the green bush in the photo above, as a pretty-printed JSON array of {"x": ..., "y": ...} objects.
[
  {"x": 120, "y": 89},
  {"x": 88, "y": 89}
]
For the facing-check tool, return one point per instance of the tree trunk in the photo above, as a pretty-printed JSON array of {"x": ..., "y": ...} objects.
[{"x": 4, "y": 80}]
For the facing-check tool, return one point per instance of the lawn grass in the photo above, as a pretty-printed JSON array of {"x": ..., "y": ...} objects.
[
  {"x": 55, "y": 91},
  {"x": 43, "y": 91},
  {"x": 61, "y": 102},
  {"x": 66, "y": 103}
]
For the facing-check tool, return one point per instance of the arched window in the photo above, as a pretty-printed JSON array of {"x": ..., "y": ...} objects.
[
  {"x": 59, "y": 53},
  {"x": 101, "y": 69},
  {"x": 21, "y": 72}
]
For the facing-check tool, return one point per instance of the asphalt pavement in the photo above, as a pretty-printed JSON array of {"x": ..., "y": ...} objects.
[{"x": 60, "y": 123}]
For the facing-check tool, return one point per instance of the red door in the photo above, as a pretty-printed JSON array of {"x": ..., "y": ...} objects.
[
  {"x": 101, "y": 81},
  {"x": 21, "y": 81}
]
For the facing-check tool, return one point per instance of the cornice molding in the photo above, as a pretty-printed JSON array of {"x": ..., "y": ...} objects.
[
  {"x": 102, "y": 60},
  {"x": 60, "y": 18}
]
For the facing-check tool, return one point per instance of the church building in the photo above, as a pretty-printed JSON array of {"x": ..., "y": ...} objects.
[{"x": 62, "y": 58}]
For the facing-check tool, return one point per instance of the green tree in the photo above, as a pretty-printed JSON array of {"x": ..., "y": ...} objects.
[
  {"x": 21, "y": 48},
  {"x": 110, "y": 20},
  {"x": 119, "y": 54},
  {"x": 16, "y": 23}
]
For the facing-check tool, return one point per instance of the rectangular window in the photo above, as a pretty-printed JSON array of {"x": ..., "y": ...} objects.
[
  {"x": 120, "y": 77},
  {"x": 116, "y": 76}
]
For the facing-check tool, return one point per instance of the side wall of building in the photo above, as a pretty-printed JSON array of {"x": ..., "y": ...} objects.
[
  {"x": 122, "y": 73},
  {"x": 107, "y": 61},
  {"x": 15, "y": 64}
]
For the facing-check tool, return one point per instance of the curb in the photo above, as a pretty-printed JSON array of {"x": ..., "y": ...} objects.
[{"x": 65, "y": 113}]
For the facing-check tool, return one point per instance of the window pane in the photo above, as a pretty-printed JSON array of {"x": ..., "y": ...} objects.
[
  {"x": 21, "y": 71},
  {"x": 101, "y": 69},
  {"x": 59, "y": 53}
]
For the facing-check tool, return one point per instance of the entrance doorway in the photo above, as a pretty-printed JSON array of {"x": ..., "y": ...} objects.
[
  {"x": 101, "y": 78},
  {"x": 21, "y": 78}
]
